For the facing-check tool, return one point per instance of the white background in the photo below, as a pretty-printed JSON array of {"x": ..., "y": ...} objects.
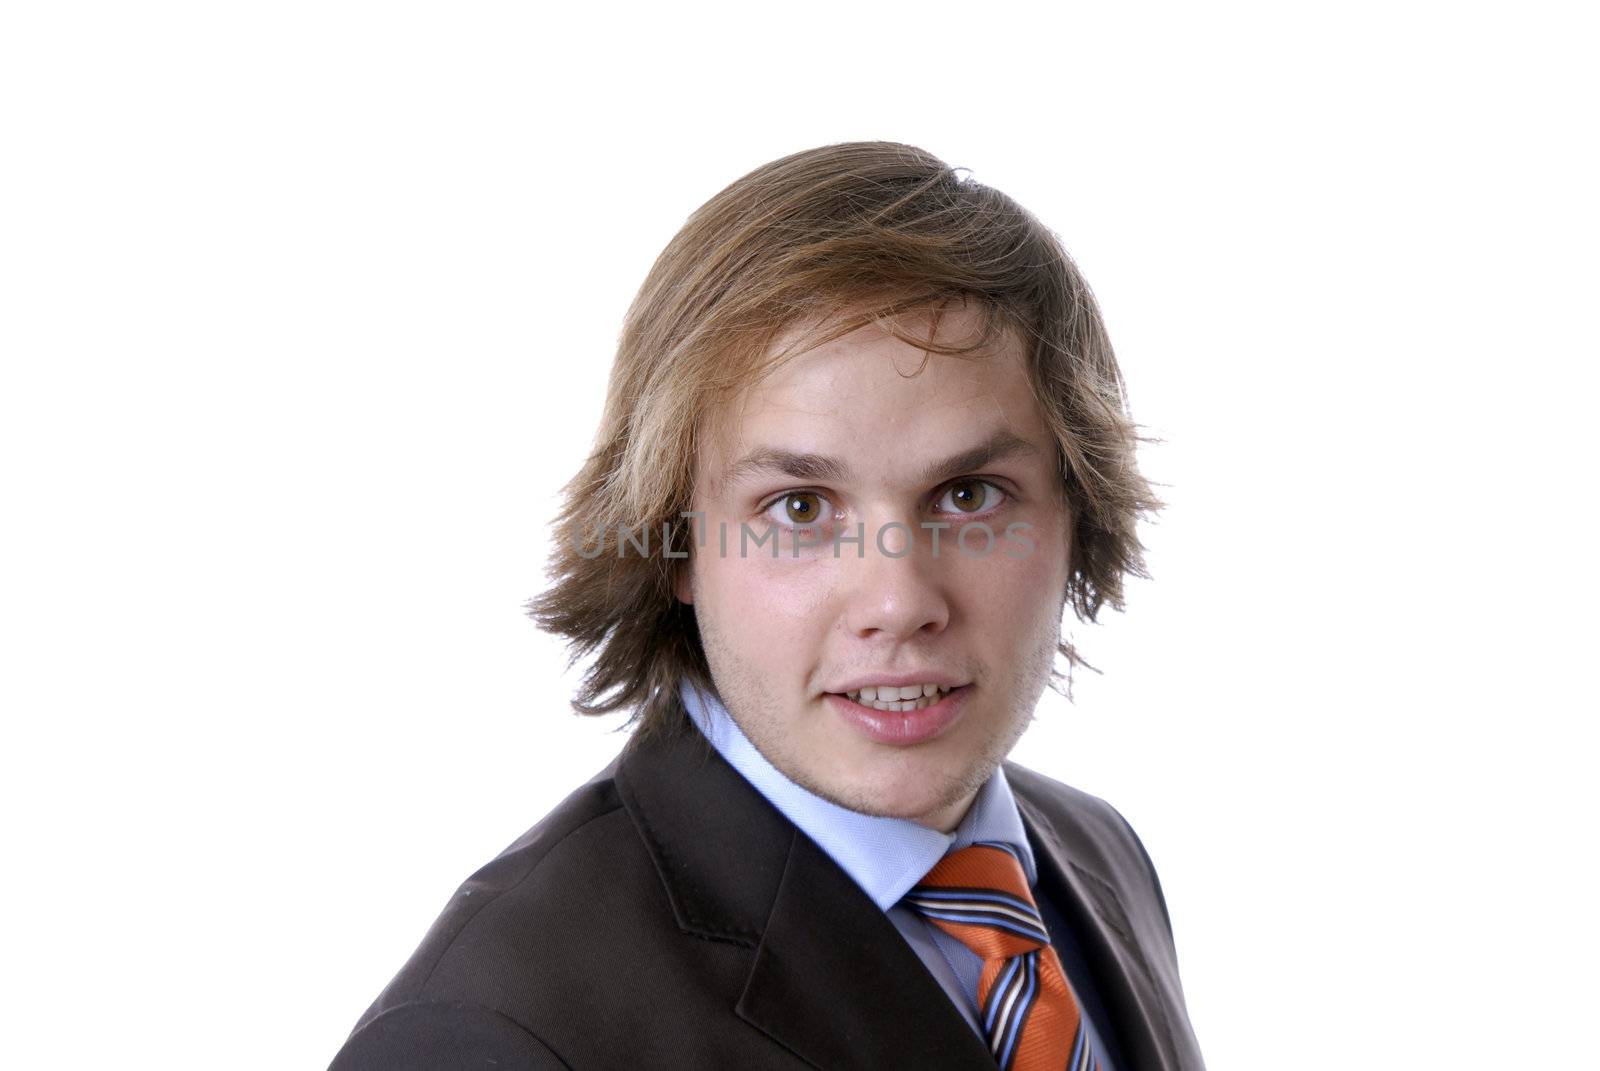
[{"x": 307, "y": 310}]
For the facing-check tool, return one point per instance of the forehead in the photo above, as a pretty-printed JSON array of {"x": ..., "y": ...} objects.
[{"x": 882, "y": 405}]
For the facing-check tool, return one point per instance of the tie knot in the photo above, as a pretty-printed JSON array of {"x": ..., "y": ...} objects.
[{"x": 979, "y": 895}]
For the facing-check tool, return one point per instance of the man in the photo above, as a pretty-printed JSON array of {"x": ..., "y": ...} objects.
[{"x": 864, "y": 441}]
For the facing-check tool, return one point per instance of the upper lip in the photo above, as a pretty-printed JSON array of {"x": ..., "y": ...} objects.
[{"x": 898, "y": 680}]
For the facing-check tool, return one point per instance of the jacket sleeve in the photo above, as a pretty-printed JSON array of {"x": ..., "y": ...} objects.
[{"x": 451, "y": 1036}]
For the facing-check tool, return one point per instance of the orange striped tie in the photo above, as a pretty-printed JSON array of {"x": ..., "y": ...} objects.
[{"x": 979, "y": 895}]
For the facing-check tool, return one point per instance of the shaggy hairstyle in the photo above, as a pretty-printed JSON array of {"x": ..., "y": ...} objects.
[{"x": 882, "y": 230}]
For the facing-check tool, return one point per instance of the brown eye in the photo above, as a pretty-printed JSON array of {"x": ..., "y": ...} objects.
[
  {"x": 798, "y": 509},
  {"x": 802, "y": 507},
  {"x": 969, "y": 496}
]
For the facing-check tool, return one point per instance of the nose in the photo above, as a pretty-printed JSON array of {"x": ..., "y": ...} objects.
[{"x": 895, "y": 590}]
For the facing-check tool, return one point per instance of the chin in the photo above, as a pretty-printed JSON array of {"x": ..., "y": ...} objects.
[{"x": 914, "y": 798}]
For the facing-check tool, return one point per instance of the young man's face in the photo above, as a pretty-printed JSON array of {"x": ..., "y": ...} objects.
[{"x": 846, "y": 435}]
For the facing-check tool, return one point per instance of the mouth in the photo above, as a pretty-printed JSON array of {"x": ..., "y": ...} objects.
[
  {"x": 895, "y": 699},
  {"x": 901, "y": 722}
]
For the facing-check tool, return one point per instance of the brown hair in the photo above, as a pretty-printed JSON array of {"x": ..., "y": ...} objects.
[{"x": 882, "y": 229}]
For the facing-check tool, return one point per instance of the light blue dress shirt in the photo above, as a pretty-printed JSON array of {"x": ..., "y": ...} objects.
[{"x": 887, "y": 856}]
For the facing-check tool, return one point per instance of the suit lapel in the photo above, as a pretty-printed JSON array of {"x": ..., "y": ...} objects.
[
  {"x": 831, "y": 979},
  {"x": 835, "y": 982},
  {"x": 1090, "y": 906}
]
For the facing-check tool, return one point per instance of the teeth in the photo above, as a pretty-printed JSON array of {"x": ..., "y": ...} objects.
[{"x": 899, "y": 699}]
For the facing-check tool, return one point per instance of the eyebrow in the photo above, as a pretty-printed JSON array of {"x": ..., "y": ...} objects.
[{"x": 822, "y": 468}]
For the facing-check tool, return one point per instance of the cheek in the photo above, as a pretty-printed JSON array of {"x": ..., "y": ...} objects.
[
  {"x": 769, "y": 612},
  {"x": 1018, "y": 595}
]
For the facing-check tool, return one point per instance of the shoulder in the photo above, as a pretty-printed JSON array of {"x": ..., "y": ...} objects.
[
  {"x": 1090, "y": 821},
  {"x": 1092, "y": 836},
  {"x": 439, "y": 1036},
  {"x": 502, "y": 943}
]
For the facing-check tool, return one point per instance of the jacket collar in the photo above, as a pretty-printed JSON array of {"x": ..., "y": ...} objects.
[{"x": 831, "y": 979}]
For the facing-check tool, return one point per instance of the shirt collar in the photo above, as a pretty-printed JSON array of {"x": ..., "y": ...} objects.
[{"x": 885, "y": 856}]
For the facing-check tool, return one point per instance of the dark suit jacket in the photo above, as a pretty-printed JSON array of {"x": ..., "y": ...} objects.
[{"x": 665, "y": 915}]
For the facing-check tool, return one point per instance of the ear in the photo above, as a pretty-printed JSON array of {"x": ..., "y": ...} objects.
[{"x": 683, "y": 583}]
